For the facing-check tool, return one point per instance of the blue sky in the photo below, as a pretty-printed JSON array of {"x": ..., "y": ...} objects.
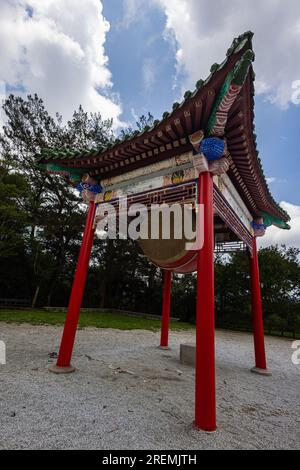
[
  {"x": 278, "y": 143},
  {"x": 130, "y": 48},
  {"x": 135, "y": 51},
  {"x": 127, "y": 57}
]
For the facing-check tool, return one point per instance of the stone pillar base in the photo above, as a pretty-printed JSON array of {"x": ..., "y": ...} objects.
[
  {"x": 61, "y": 370},
  {"x": 164, "y": 348},
  {"x": 266, "y": 372},
  {"x": 203, "y": 430}
]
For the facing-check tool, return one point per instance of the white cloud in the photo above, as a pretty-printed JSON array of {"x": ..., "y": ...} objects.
[
  {"x": 149, "y": 73},
  {"x": 134, "y": 114},
  {"x": 133, "y": 10},
  {"x": 203, "y": 30},
  {"x": 276, "y": 236},
  {"x": 273, "y": 179},
  {"x": 56, "y": 49}
]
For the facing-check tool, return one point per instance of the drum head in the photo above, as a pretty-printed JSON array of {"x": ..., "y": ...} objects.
[{"x": 168, "y": 248}]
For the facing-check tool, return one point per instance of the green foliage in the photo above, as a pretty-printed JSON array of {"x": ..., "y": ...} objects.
[
  {"x": 276, "y": 322},
  {"x": 280, "y": 284},
  {"x": 184, "y": 296},
  {"x": 41, "y": 215},
  {"x": 144, "y": 123},
  {"x": 13, "y": 194}
]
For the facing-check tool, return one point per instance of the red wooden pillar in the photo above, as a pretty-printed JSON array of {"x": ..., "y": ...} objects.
[
  {"x": 205, "y": 396},
  {"x": 66, "y": 347},
  {"x": 257, "y": 316},
  {"x": 165, "y": 320}
]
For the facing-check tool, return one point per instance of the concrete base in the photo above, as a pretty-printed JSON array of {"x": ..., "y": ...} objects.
[
  {"x": 164, "y": 348},
  {"x": 265, "y": 372},
  {"x": 61, "y": 370},
  {"x": 203, "y": 430},
  {"x": 188, "y": 354}
]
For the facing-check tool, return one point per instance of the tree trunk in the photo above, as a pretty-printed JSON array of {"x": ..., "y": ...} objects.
[{"x": 37, "y": 290}]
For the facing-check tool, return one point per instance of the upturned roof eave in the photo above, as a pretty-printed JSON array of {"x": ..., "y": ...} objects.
[{"x": 72, "y": 158}]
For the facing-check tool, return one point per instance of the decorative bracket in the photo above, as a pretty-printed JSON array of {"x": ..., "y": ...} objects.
[
  {"x": 88, "y": 188},
  {"x": 259, "y": 227}
]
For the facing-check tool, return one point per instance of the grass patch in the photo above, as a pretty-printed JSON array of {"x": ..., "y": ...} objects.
[
  {"x": 105, "y": 320},
  {"x": 88, "y": 319}
]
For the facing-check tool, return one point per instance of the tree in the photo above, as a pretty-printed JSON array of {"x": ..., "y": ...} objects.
[
  {"x": 280, "y": 283},
  {"x": 52, "y": 210},
  {"x": 143, "y": 124},
  {"x": 13, "y": 222},
  {"x": 13, "y": 193},
  {"x": 276, "y": 322}
]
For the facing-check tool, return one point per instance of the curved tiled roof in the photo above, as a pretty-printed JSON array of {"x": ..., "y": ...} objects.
[{"x": 164, "y": 138}]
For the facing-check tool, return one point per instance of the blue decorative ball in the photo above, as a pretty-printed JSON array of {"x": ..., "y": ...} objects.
[
  {"x": 257, "y": 226},
  {"x": 93, "y": 188},
  {"x": 212, "y": 148}
]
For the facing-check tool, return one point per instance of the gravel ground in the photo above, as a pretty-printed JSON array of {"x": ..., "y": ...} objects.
[{"x": 127, "y": 394}]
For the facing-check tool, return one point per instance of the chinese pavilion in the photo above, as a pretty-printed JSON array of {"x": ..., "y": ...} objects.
[{"x": 203, "y": 151}]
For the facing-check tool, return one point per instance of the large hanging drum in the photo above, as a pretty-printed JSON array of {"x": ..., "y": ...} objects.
[{"x": 170, "y": 252}]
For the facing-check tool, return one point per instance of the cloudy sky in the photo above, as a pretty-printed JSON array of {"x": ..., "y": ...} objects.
[{"x": 128, "y": 57}]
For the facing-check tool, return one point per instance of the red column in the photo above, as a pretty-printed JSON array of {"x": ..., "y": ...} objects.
[
  {"x": 68, "y": 338},
  {"x": 165, "y": 320},
  {"x": 205, "y": 396},
  {"x": 257, "y": 316}
]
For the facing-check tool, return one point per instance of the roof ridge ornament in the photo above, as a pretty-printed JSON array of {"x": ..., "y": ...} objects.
[
  {"x": 228, "y": 94},
  {"x": 239, "y": 42}
]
